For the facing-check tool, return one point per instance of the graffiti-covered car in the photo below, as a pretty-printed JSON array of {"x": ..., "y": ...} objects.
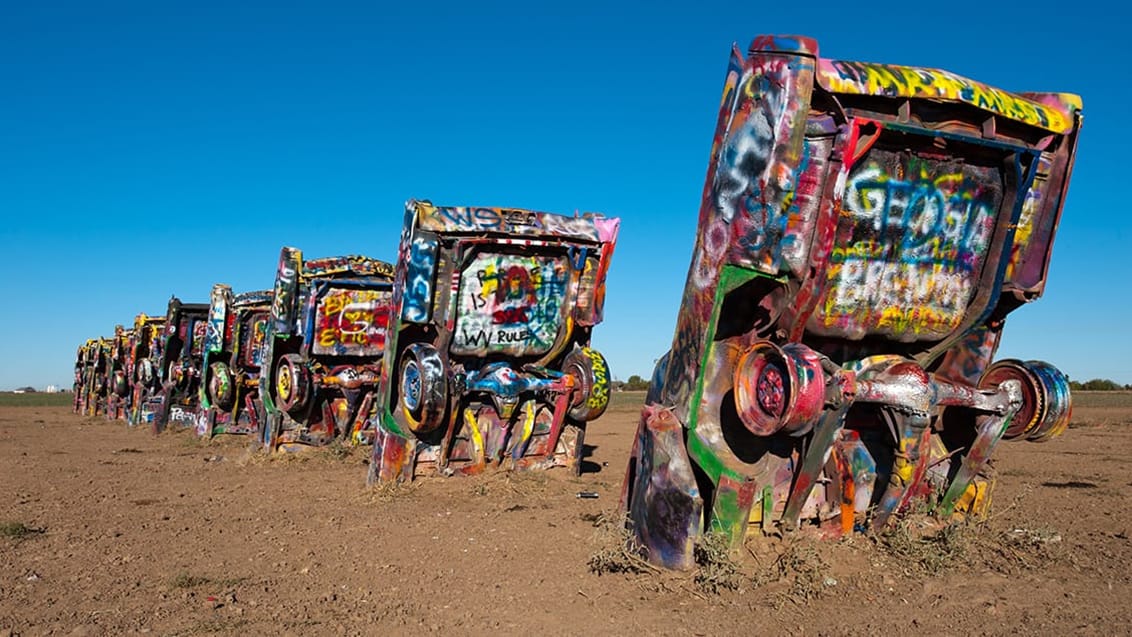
[
  {"x": 177, "y": 399},
  {"x": 95, "y": 377},
  {"x": 146, "y": 341},
  {"x": 117, "y": 376},
  {"x": 233, "y": 353},
  {"x": 865, "y": 231},
  {"x": 84, "y": 358},
  {"x": 325, "y": 340},
  {"x": 489, "y": 363}
]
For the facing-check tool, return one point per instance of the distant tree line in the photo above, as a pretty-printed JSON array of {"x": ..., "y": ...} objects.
[
  {"x": 635, "y": 383},
  {"x": 1098, "y": 384}
]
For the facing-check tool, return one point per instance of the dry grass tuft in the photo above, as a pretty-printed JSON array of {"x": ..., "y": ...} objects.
[
  {"x": 926, "y": 550},
  {"x": 526, "y": 484},
  {"x": 803, "y": 567},
  {"x": 716, "y": 570},
  {"x": 390, "y": 491},
  {"x": 18, "y": 530},
  {"x": 618, "y": 550},
  {"x": 184, "y": 579}
]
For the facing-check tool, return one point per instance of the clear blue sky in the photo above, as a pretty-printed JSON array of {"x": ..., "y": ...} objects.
[{"x": 154, "y": 148}]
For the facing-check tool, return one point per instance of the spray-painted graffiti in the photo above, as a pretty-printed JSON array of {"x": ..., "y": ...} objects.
[
  {"x": 499, "y": 372},
  {"x": 911, "y": 245},
  {"x": 200, "y": 333},
  {"x": 253, "y": 336},
  {"x": 511, "y": 304},
  {"x": 182, "y": 353},
  {"x": 516, "y": 222},
  {"x": 217, "y": 317},
  {"x": 599, "y": 392},
  {"x": 145, "y": 356},
  {"x": 228, "y": 388},
  {"x": 185, "y": 417},
  {"x": 327, "y": 267},
  {"x": 286, "y": 286},
  {"x": 845, "y": 297},
  {"x": 760, "y": 165},
  {"x": 351, "y": 322},
  {"x": 1031, "y": 206},
  {"x": 416, "y": 300},
  {"x": 883, "y": 79},
  {"x": 323, "y": 348}
]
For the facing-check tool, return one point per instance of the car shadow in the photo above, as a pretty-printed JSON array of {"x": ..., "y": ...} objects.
[{"x": 589, "y": 466}]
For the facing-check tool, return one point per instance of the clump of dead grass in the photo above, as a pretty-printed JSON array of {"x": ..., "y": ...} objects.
[
  {"x": 339, "y": 450},
  {"x": 525, "y": 484},
  {"x": 716, "y": 569},
  {"x": 803, "y": 567},
  {"x": 347, "y": 451},
  {"x": 618, "y": 550},
  {"x": 392, "y": 490},
  {"x": 922, "y": 549}
]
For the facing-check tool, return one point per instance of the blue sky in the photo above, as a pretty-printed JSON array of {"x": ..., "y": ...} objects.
[{"x": 154, "y": 148}]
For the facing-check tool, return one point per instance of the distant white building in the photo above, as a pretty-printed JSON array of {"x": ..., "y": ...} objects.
[{"x": 52, "y": 389}]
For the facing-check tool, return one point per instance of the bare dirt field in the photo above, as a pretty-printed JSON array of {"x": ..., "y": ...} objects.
[{"x": 108, "y": 531}]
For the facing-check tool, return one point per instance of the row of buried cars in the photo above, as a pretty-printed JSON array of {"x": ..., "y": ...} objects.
[
  {"x": 472, "y": 350},
  {"x": 864, "y": 232}
]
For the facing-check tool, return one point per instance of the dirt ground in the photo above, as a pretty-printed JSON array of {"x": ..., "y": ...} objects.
[{"x": 108, "y": 530}]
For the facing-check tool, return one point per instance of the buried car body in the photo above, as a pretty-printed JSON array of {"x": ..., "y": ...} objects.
[
  {"x": 864, "y": 232},
  {"x": 489, "y": 363}
]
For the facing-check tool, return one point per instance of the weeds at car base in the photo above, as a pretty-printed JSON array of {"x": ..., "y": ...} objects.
[
  {"x": 921, "y": 552},
  {"x": 716, "y": 568},
  {"x": 392, "y": 490},
  {"x": 618, "y": 550},
  {"x": 802, "y": 566}
]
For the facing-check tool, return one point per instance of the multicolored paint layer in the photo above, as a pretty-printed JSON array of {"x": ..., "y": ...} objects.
[
  {"x": 118, "y": 374},
  {"x": 233, "y": 354},
  {"x": 488, "y": 359},
  {"x": 865, "y": 230},
  {"x": 176, "y": 400},
  {"x": 146, "y": 346},
  {"x": 92, "y": 365},
  {"x": 325, "y": 336}
]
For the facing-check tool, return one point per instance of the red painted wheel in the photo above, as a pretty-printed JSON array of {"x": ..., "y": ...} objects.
[
  {"x": 779, "y": 388},
  {"x": 1046, "y": 400}
]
